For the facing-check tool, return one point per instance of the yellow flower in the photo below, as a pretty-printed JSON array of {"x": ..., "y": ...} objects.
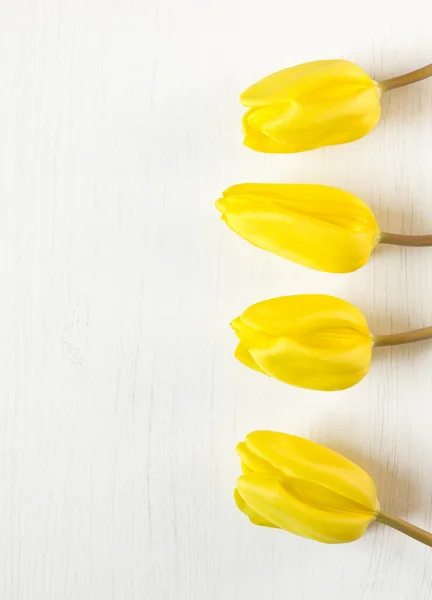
[
  {"x": 294, "y": 484},
  {"x": 317, "y": 226},
  {"x": 311, "y": 341},
  {"x": 315, "y": 104}
]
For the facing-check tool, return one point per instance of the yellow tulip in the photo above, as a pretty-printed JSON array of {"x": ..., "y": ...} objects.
[
  {"x": 311, "y": 341},
  {"x": 294, "y": 484},
  {"x": 317, "y": 226},
  {"x": 291, "y": 483},
  {"x": 315, "y": 104}
]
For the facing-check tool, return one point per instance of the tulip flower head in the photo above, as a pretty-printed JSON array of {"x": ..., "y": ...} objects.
[
  {"x": 315, "y": 104},
  {"x": 291, "y": 483},
  {"x": 318, "y": 226},
  {"x": 311, "y": 341}
]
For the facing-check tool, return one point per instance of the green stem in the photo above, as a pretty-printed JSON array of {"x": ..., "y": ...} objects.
[
  {"x": 395, "y": 339},
  {"x": 411, "y": 530},
  {"x": 412, "y": 77},
  {"x": 397, "y": 239}
]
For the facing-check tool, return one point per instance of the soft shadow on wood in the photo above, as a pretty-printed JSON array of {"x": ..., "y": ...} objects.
[{"x": 412, "y": 102}]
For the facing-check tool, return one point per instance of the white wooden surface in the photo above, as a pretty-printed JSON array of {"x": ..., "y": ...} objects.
[{"x": 120, "y": 401}]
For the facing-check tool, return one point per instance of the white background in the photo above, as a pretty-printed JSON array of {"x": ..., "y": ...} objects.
[{"x": 120, "y": 400}]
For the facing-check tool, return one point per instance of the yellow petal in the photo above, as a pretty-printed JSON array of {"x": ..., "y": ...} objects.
[
  {"x": 256, "y": 140},
  {"x": 305, "y": 508},
  {"x": 254, "y": 517},
  {"x": 318, "y": 226},
  {"x": 329, "y": 78},
  {"x": 243, "y": 355},
  {"x": 280, "y": 454},
  {"x": 255, "y": 463},
  {"x": 245, "y": 469},
  {"x": 325, "y": 124},
  {"x": 326, "y": 321},
  {"x": 249, "y": 336},
  {"x": 259, "y": 118},
  {"x": 325, "y": 369},
  {"x": 323, "y": 203}
]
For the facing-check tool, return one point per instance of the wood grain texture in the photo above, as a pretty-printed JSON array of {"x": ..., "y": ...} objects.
[{"x": 120, "y": 401}]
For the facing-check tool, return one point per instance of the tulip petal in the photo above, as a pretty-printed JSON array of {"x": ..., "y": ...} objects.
[
  {"x": 273, "y": 452},
  {"x": 245, "y": 469},
  {"x": 325, "y": 369},
  {"x": 256, "y": 140},
  {"x": 326, "y": 319},
  {"x": 300, "y": 80},
  {"x": 275, "y": 88},
  {"x": 243, "y": 355},
  {"x": 255, "y": 463},
  {"x": 249, "y": 336},
  {"x": 254, "y": 517},
  {"x": 321, "y": 203},
  {"x": 325, "y": 124},
  {"x": 258, "y": 118},
  {"x": 305, "y": 508}
]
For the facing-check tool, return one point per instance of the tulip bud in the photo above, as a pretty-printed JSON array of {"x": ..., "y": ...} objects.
[
  {"x": 294, "y": 484},
  {"x": 317, "y": 226},
  {"x": 315, "y": 104},
  {"x": 311, "y": 341}
]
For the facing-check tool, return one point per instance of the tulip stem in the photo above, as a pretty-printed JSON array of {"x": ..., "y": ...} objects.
[
  {"x": 397, "y": 239},
  {"x": 406, "y": 79},
  {"x": 407, "y": 337},
  {"x": 411, "y": 530}
]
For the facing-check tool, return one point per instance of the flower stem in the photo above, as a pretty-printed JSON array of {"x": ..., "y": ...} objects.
[
  {"x": 412, "y": 77},
  {"x": 411, "y": 530},
  {"x": 395, "y": 339},
  {"x": 397, "y": 239}
]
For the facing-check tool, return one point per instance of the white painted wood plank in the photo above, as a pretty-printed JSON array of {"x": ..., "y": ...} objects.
[{"x": 120, "y": 401}]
